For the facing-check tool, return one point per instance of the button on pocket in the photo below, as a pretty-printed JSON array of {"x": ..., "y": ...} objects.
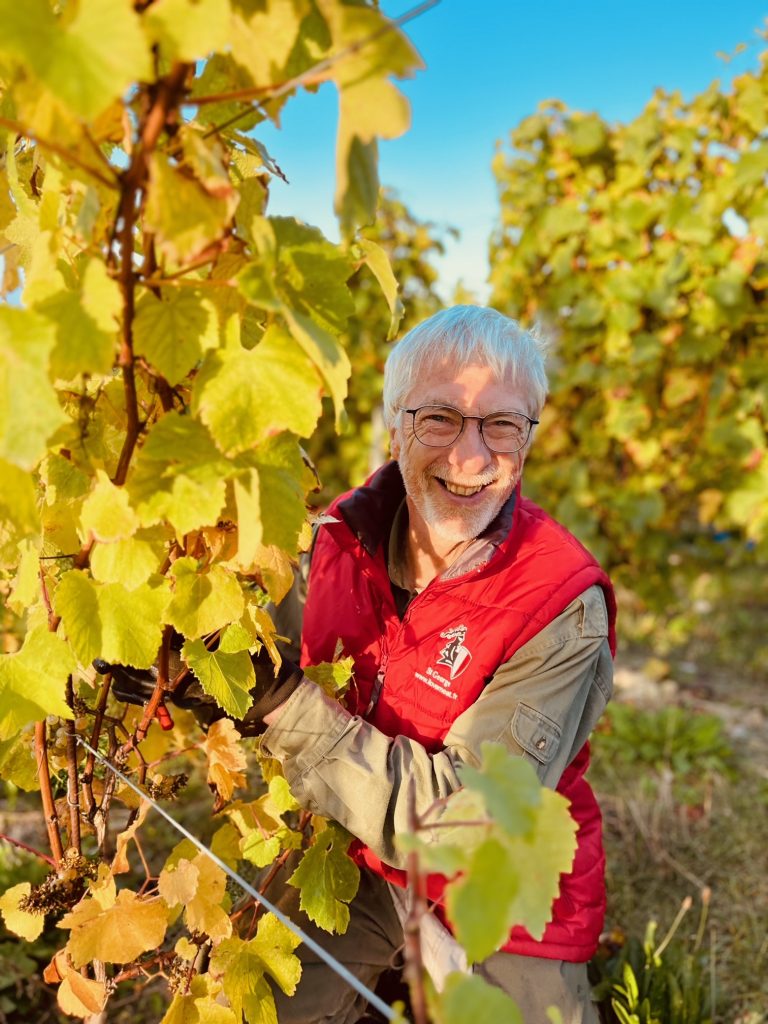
[{"x": 537, "y": 735}]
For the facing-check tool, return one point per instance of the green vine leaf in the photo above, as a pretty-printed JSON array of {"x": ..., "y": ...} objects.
[
  {"x": 33, "y": 681},
  {"x": 327, "y": 879}
]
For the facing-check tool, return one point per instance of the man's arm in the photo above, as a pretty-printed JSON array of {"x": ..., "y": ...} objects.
[{"x": 553, "y": 690}]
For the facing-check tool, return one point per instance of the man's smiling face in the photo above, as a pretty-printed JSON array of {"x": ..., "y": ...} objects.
[{"x": 456, "y": 491}]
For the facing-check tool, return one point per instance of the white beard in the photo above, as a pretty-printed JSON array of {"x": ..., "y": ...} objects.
[{"x": 444, "y": 518}]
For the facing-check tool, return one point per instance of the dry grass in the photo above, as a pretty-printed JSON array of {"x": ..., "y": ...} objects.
[{"x": 661, "y": 850}]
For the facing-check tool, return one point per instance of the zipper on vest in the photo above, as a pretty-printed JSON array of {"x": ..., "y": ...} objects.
[{"x": 378, "y": 685}]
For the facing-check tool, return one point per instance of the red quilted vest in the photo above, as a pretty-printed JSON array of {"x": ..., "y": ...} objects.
[{"x": 406, "y": 684}]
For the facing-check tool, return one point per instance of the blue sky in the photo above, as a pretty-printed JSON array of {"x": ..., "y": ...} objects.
[{"x": 488, "y": 64}]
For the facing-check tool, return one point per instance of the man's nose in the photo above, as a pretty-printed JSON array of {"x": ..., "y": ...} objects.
[{"x": 469, "y": 451}]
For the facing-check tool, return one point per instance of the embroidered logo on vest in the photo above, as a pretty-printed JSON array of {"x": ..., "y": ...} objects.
[{"x": 455, "y": 655}]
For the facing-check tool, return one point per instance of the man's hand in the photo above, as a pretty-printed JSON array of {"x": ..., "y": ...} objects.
[{"x": 272, "y": 688}]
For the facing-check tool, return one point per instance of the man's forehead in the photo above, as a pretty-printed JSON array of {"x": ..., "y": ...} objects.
[{"x": 469, "y": 388}]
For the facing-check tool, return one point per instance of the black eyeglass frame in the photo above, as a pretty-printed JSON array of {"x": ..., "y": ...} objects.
[{"x": 481, "y": 420}]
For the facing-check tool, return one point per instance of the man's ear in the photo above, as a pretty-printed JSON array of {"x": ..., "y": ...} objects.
[{"x": 394, "y": 442}]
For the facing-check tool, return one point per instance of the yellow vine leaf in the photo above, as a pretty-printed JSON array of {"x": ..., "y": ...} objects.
[
  {"x": 258, "y": 623},
  {"x": 106, "y": 512},
  {"x": 120, "y": 862},
  {"x": 275, "y": 568},
  {"x": 200, "y": 1005},
  {"x": 204, "y": 913},
  {"x": 186, "y": 949},
  {"x": 117, "y": 933},
  {"x": 226, "y": 758},
  {"x": 21, "y": 922},
  {"x": 178, "y": 884},
  {"x": 79, "y": 996}
]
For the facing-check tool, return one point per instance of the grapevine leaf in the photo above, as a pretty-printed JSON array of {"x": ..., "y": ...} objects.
[
  {"x": 226, "y": 757},
  {"x": 509, "y": 786},
  {"x": 17, "y": 762},
  {"x": 131, "y": 561},
  {"x": 85, "y": 320},
  {"x": 275, "y": 478},
  {"x": 258, "y": 624},
  {"x": 189, "y": 1009},
  {"x": 242, "y": 964},
  {"x": 107, "y": 621},
  {"x": 25, "y": 586},
  {"x": 246, "y": 490},
  {"x": 21, "y": 922},
  {"x": 200, "y": 1004},
  {"x": 179, "y": 883},
  {"x": 204, "y": 912},
  {"x": 205, "y": 601},
  {"x": 235, "y": 638},
  {"x": 118, "y": 933},
  {"x": 79, "y": 996},
  {"x": 226, "y": 844},
  {"x": 479, "y": 903},
  {"x": 325, "y": 352},
  {"x": 378, "y": 262},
  {"x": 18, "y": 510},
  {"x": 259, "y": 1005},
  {"x": 276, "y": 571},
  {"x": 467, "y": 997},
  {"x": 188, "y": 31},
  {"x": 120, "y": 863},
  {"x": 132, "y": 622},
  {"x": 184, "y": 215},
  {"x": 106, "y": 512},
  {"x": 186, "y": 949},
  {"x": 244, "y": 396},
  {"x": 541, "y": 858},
  {"x": 332, "y": 677},
  {"x": 259, "y": 849},
  {"x": 369, "y": 106},
  {"x": 70, "y": 58},
  {"x": 77, "y": 602},
  {"x": 66, "y": 487},
  {"x": 33, "y": 681},
  {"x": 280, "y": 795},
  {"x": 263, "y": 39},
  {"x": 226, "y": 677},
  {"x": 29, "y": 410},
  {"x": 327, "y": 880},
  {"x": 174, "y": 331},
  {"x": 179, "y": 475},
  {"x": 274, "y": 944},
  {"x": 303, "y": 276},
  {"x": 103, "y": 890}
]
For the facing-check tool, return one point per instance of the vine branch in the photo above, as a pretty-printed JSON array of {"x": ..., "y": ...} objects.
[
  {"x": 46, "y": 795},
  {"x": 29, "y": 849},
  {"x": 133, "y": 184}
]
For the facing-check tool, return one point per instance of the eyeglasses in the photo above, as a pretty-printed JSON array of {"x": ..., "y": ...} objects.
[{"x": 438, "y": 426}]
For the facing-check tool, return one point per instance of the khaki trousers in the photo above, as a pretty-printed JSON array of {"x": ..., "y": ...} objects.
[{"x": 373, "y": 943}]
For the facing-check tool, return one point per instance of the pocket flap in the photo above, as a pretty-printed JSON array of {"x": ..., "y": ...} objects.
[{"x": 538, "y": 735}]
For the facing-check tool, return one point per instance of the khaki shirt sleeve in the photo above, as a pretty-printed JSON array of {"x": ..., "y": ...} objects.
[{"x": 542, "y": 704}]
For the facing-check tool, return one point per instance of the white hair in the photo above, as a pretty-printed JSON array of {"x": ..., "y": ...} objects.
[{"x": 461, "y": 336}]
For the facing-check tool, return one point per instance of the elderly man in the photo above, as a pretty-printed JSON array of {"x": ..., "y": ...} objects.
[{"x": 470, "y": 615}]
